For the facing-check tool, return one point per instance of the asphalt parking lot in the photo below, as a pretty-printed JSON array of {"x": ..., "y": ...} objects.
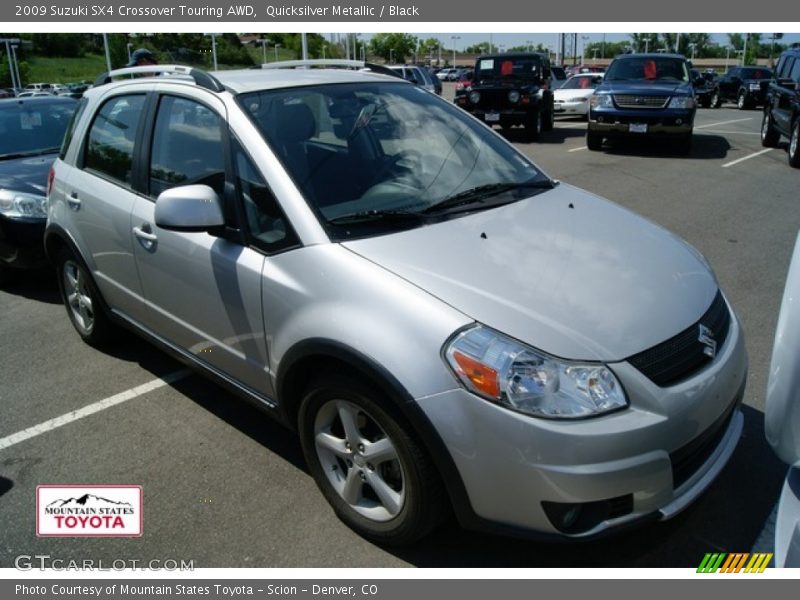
[{"x": 226, "y": 487}]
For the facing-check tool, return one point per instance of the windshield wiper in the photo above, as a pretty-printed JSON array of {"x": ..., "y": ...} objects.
[
  {"x": 371, "y": 216},
  {"x": 29, "y": 153},
  {"x": 479, "y": 194}
]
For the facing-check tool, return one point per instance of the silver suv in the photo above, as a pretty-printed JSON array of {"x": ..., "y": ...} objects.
[{"x": 445, "y": 326}]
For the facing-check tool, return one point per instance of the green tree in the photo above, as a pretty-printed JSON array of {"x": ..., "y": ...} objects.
[
  {"x": 5, "y": 76},
  {"x": 644, "y": 42},
  {"x": 393, "y": 46},
  {"x": 65, "y": 45},
  {"x": 612, "y": 49}
]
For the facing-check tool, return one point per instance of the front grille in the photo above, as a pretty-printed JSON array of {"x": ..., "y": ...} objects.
[
  {"x": 631, "y": 101},
  {"x": 495, "y": 100},
  {"x": 688, "y": 459},
  {"x": 684, "y": 354}
]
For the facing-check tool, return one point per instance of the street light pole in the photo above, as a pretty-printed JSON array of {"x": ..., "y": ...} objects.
[
  {"x": 108, "y": 52},
  {"x": 264, "y": 44},
  {"x": 276, "y": 51},
  {"x": 454, "y": 38}
]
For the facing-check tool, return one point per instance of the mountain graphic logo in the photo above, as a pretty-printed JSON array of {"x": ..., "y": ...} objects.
[
  {"x": 87, "y": 500},
  {"x": 89, "y": 510}
]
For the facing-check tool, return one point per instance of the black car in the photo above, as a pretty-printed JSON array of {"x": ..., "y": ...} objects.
[
  {"x": 643, "y": 96},
  {"x": 31, "y": 132},
  {"x": 511, "y": 89},
  {"x": 704, "y": 85},
  {"x": 782, "y": 106},
  {"x": 747, "y": 86}
]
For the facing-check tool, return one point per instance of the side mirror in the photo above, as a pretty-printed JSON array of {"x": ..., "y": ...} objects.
[
  {"x": 788, "y": 84},
  {"x": 189, "y": 208}
]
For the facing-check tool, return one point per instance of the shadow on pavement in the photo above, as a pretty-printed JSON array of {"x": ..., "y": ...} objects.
[
  {"x": 704, "y": 146},
  {"x": 39, "y": 285}
]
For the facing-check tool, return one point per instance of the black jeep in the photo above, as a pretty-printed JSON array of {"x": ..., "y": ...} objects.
[{"x": 511, "y": 89}]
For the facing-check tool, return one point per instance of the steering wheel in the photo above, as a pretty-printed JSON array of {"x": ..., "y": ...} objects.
[{"x": 412, "y": 156}]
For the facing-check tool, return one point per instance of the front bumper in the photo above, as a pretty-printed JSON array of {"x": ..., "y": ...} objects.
[
  {"x": 571, "y": 108},
  {"x": 513, "y": 465},
  {"x": 22, "y": 243},
  {"x": 629, "y": 123}
]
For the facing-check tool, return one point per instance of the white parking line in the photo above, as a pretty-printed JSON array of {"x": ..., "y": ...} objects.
[
  {"x": 576, "y": 149},
  {"x": 30, "y": 432},
  {"x": 749, "y": 156},
  {"x": 722, "y": 123}
]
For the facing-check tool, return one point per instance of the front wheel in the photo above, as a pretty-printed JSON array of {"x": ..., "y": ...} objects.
[
  {"x": 594, "y": 141},
  {"x": 742, "y": 102},
  {"x": 532, "y": 126},
  {"x": 367, "y": 464},
  {"x": 794, "y": 145},
  {"x": 82, "y": 300},
  {"x": 548, "y": 120},
  {"x": 769, "y": 137}
]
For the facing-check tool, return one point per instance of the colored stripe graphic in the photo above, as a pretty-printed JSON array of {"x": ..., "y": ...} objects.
[{"x": 734, "y": 563}]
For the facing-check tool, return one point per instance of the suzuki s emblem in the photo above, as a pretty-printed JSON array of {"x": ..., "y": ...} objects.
[{"x": 706, "y": 337}]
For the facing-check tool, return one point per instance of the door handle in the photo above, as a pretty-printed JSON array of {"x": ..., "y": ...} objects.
[
  {"x": 146, "y": 237},
  {"x": 73, "y": 201}
]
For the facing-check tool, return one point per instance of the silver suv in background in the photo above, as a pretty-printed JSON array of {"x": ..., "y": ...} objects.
[{"x": 446, "y": 327}]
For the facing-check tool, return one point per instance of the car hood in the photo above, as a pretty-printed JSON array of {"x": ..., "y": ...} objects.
[
  {"x": 644, "y": 88},
  {"x": 565, "y": 271},
  {"x": 28, "y": 175}
]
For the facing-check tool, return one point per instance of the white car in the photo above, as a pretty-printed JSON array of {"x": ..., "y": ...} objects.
[
  {"x": 782, "y": 418},
  {"x": 444, "y": 73},
  {"x": 572, "y": 98}
]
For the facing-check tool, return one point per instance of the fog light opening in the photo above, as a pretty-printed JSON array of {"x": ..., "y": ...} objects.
[{"x": 574, "y": 518}]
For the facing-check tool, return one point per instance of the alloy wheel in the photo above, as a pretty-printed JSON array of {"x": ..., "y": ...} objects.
[{"x": 78, "y": 296}]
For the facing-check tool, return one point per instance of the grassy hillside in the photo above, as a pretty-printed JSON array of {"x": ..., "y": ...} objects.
[{"x": 64, "y": 70}]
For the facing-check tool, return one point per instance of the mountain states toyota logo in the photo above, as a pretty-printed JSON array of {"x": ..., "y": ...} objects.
[{"x": 89, "y": 510}]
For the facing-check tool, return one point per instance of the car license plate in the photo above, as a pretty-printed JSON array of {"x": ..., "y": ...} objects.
[
  {"x": 492, "y": 117},
  {"x": 637, "y": 127}
]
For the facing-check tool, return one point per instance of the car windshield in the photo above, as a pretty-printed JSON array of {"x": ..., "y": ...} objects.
[
  {"x": 386, "y": 149},
  {"x": 756, "y": 74},
  {"x": 649, "y": 68},
  {"x": 34, "y": 127},
  {"x": 582, "y": 82},
  {"x": 514, "y": 67}
]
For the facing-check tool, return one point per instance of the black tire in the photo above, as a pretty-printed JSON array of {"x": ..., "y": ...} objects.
[
  {"x": 532, "y": 126},
  {"x": 423, "y": 500},
  {"x": 794, "y": 145},
  {"x": 716, "y": 99},
  {"x": 769, "y": 137},
  {"x": 7, "y": 275},
  {"x": 743, "y": 101},
  {"x": 548, "y": 120},
  {"x": 594, "y": 141},
  {"x": 705, "y": 102},
  {"x": 84, "y": 304}
]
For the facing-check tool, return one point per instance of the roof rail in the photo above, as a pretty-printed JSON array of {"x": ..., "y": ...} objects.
[
  {"x": 200, "y": 77},
  {"x": 335, "y": 63}
]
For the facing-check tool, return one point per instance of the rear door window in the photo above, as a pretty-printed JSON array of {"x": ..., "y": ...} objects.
[{"x": 110, "y": 143}]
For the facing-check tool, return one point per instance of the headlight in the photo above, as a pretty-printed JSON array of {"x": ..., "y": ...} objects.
[
  {"x": 601, "y": 101},
  {"x": 18, "y": 205},
  {"x": 521, "y": 378},
  {"x": 474, "y": 97},
  {"x": 513, "y": 96},
  {"x": 682, "y": 102},
  {"x": 755, "y": 87}
]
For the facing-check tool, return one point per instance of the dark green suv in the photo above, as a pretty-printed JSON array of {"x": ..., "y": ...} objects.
[{"x": 782, "y": 106}]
